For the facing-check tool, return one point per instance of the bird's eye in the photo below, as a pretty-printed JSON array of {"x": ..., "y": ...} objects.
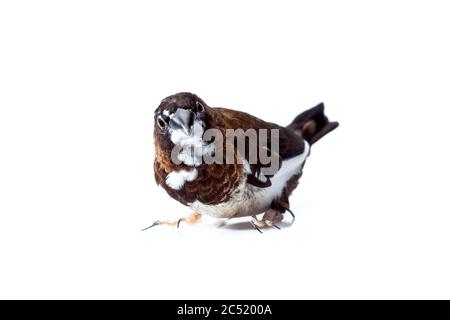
[
  {"x": 200, "y": 107},
  {"x": 161, "y": 123}
]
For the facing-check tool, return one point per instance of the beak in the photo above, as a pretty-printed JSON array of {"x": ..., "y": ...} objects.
[{"x": 182, "y": 119}]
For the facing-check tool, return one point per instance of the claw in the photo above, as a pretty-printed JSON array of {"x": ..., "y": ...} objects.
[
  {"x": 292, "y": 214},
  {"x": 274, "y": 225},
  {"x": 179, "y": 221},
  {"x": 156, "y": 223},
  {"x": 256, "y": 227}
]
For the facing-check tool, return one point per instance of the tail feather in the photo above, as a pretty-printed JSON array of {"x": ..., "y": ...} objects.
[{"x": 313, "y": 124}]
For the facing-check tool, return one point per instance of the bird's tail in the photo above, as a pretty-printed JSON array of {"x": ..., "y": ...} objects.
[{"x": 313, "y": 124}]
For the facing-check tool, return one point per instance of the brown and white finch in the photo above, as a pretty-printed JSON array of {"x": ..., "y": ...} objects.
[{"x": 229, "y": 190}]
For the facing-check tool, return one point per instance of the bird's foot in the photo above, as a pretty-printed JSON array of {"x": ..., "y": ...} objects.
[
  {"x": 270, "y": 219},
  {"x": 189, "y": 219}
]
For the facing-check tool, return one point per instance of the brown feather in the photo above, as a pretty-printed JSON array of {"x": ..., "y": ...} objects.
[{"x": 215, "y": 183}]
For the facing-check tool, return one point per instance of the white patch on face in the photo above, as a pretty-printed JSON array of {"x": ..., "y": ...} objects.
[
  {"x": 180, "y": 137},
  {"x": 193, "y": 146},
  {"x": 177, "y": 179},
  {"x": 166, "y": 113}
]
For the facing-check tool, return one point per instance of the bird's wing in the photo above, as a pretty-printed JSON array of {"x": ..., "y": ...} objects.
[{"x": 290, "y": 143}]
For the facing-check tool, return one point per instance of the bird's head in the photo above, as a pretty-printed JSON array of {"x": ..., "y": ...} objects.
[{"x": 180, "y": 120}]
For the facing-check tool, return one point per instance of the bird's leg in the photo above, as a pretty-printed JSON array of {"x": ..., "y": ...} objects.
[
  {"x": 189, "y": 219},
  {"x": 257, "y": 224}
]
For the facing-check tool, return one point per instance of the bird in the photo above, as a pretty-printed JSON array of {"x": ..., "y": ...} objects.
[{"x": 244, "y": 186}]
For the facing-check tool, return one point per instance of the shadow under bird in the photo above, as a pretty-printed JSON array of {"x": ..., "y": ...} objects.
[{"x": 240, "y": 188}]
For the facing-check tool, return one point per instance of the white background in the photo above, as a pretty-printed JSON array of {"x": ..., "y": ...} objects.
[{"x": 79, "y": 81}]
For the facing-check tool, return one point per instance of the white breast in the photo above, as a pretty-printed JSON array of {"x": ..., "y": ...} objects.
[{"x": 249, "y": 200}]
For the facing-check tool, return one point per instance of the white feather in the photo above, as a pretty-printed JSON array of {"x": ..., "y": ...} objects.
[
  {"x": 177, "y": 179},
  {"x": 193, "y": 146}
]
